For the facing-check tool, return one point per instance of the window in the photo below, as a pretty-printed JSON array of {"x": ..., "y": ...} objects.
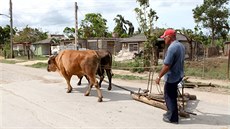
[{"x": 133, "y": 47}]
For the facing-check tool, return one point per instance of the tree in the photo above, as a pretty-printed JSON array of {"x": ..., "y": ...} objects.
[
  {"x": 119, "y": 28},
  {"x": 69, "y": 32},
  {"x": 4, "y": 34},
  {"x": 29, "y": 34},
  {"x": 213, "y": 15},
  {"x": 5, "y": 40},
  {"x": 131, "y": 27},
  {"x": 189, "y": 34},
  {"x": 204, "y": 40},
  {"x": 94, "y": 25},
  {"x": 145, "y": 17}
]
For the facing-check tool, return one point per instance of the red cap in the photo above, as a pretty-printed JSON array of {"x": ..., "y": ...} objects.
[{"x": 168, "y": 32}]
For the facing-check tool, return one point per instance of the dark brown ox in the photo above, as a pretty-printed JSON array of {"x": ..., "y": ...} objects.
[
  {"x": 80, "y": 63},
  {"x": 105, "y": 65}
]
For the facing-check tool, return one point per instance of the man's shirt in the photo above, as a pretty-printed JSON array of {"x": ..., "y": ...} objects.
[{"x": 175, "y": 56}]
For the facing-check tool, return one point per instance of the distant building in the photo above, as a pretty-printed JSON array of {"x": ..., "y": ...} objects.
[
  {"x": 226, "y": 48},
  {"x": 135, "y": 44},
  {"x": 43, "y": 47},
  {"x": 58, "y": 36},
  {"x": 21, "y": 48}
]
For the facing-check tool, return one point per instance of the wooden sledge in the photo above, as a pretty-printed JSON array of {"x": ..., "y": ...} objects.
[{"x": 157, "y": 100}]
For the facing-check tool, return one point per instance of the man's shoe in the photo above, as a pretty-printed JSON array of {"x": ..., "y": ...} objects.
[
  {"x": 165, "y": 119},
  {"x": 165, "y": 115}
]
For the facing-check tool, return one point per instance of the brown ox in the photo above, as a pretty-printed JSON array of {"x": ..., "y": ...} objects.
[
  {"x": 80, "y": 63},
  {"x": 105, "y": 65}
]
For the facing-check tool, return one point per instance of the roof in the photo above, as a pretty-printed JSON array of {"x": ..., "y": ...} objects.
[
  {"x": 45, "y": 41},
  {"x": 142, "y": 38},
  {"x": 181, "y": 37},
  {"x": 227, "y": 42},
  {"x": 22, "y": 42},
  {"x": 103, "y": 38},
  {"x": 136, "y": 38}
]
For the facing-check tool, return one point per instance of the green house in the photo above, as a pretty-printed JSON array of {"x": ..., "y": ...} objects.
[{"x": 43, "y": 47}]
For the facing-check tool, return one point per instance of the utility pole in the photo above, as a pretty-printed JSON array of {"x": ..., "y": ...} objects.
[
  {"x": 11, "y": 31},
  {"x": 76, "y": 28},
  {"x": 228, "y": 63}
]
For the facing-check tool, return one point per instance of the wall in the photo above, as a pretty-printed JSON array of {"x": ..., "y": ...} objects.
[
  {"x": 226, "y": 49},
  {"x": 42, "y": 49}
]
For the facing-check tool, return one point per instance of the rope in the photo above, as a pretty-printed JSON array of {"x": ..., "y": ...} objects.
[
  {"x": 159, "y": 89},
  {"x": 119, "y": 87},
  {"x": 123, "y": 67},
  {"x": 150, "y": 80}
]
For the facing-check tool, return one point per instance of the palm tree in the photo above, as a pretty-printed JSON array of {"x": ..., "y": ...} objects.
[
  {"x": 131, "y": 27},
  {"x": 119, "y": 28}
]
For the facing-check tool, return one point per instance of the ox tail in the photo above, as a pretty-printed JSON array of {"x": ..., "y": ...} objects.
[
  {"x": 99, "y": 61},
  {"x": 110, "y": 62},
  {"x": 98, "y": 67}
]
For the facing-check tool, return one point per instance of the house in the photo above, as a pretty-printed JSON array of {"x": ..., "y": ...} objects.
[
  {"x": 21, "y": 48},
  {"x": 57, "y": 36},
  {"x": 43, "y": 47},
  {"x": 135, "y": 44},
  {"x": 111, "y": 44},
  {"x": 226, "y": 48}
]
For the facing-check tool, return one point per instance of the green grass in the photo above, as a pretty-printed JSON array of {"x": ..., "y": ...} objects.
[
  {"x": 34, "y": 58},
  {"x": 214, "y": 69},
  {"x": 128, "y": 77},
  {"x": 38, "y": 65},
  {"x": 10, "y": 61},
  {"x": 131, "y": 65}
]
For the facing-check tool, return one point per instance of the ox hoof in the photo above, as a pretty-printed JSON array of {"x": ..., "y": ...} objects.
[
  {"x": 109, "y": 88},
  {"x": 99, "y": 100},
  {"x": 86, "y": 94},
  {"x": 69, "y": 91}
]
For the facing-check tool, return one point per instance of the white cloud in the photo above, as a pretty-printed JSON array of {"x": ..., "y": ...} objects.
[{"x": 55, "y": 15}]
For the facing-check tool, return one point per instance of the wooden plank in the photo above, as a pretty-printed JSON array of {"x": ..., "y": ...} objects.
[
  {"x": 155, "y": 103},
  {"x": 149, "y": 101}
]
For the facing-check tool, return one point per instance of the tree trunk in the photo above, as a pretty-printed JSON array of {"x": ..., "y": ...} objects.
[
  {"x": 213, "y": 37},
  {"x": 191, "y": 50},
  {"x": 155, "y": 57}
]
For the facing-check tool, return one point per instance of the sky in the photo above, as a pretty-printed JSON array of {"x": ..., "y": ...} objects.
[{"x": 54, "y": 15}]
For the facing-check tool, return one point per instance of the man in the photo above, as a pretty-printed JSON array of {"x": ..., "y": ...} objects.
[{"x": 173, "y": 72}]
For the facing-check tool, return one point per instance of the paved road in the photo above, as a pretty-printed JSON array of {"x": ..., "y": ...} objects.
[{"x": 33, "y": 98}]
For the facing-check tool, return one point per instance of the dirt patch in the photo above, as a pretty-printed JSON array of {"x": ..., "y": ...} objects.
[{"x": 220, "y": 90}]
